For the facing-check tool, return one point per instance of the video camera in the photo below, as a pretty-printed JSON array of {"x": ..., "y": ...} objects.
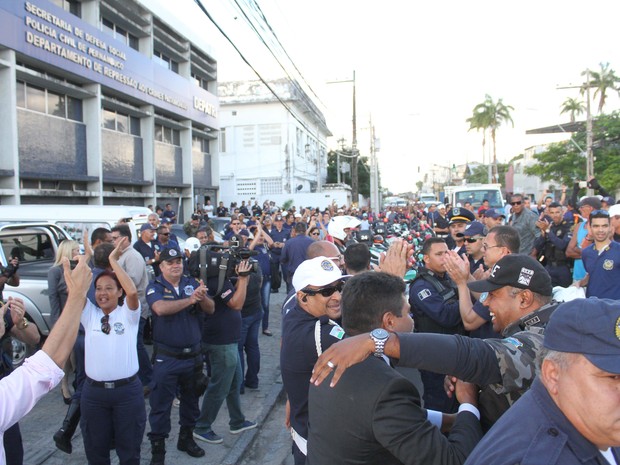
[{"x": 216, "y": 260}]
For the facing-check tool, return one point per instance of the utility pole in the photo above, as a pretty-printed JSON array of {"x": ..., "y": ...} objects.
[
  {"x": 354, "y": 152},
  {"x": 374, "y": 171},
  {"x": 589, "y": 142}
]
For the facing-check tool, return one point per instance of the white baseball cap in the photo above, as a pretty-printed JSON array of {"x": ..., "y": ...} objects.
[
  {"x": 192, "y": 244},
  {"x": 614, "y": 209},
  {"x": 318, "y": 271}
]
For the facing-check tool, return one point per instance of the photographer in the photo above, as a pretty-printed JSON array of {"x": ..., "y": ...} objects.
[{"x": 220, "y": 339}]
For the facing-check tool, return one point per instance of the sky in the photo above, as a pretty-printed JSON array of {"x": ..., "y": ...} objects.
[{"x": 421, "y": 67}]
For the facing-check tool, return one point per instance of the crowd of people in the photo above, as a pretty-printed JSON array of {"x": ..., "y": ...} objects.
[{"x": 481, "y": 321}]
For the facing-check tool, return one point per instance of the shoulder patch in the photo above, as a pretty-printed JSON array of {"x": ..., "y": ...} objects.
[
  {"x": 424, "y": 293},
  {"x": 337, "y": 332},
  {"x": 150, "y": 291},
  {"x": 514, "y": 342},
  {"x": 225, "y": 294}
]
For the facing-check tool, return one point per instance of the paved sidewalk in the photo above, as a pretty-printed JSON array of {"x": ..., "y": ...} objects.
[{"x": 39, "y": 425}]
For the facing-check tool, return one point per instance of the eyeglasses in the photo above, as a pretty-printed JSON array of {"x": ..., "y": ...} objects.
[
  {"x": 472, "y": 240},
  {"x": 487, "y": 247},
  {"x": 325, "y": 291},
  {"x": 604, "y": 213},
  {"x": 339, "y": 258},
  {"x": 105, "y": 326},
  {"x": 164, "y": 234},
  {"x": 516, "y": 203}
]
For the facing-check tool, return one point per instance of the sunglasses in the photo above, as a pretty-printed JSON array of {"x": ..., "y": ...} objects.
[
  {"x": 314, "y": 234},
  {"x": 105, "y": 325},
  {"x": 604, "y": 213},
  {"x": 325, "y": 291},
  {"x": 516, "y": 203},
  {"x": 164, "y": 234},
  {"x": 472, "y": 240}
]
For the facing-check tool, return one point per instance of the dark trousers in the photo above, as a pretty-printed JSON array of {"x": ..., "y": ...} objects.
[
  {"x": 113, "y": 413},
  {"x": 146, "y": 369},
  {"x": 276, "y": 278},
  {"x": 168, "y": 374},
  {"x": 249, "y": 343},
  {"x": 13, "y": 447},
  {"x": 560, "y": 275},
  {"x": 80, "y": 372},
  {"x": 265, "y": 297}
]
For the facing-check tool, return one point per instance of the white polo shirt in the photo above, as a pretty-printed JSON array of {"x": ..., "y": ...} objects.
[{"x": 113, "y": 356}]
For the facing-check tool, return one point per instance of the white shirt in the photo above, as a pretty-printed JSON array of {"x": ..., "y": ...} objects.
[
  {"x": 23, "y": 388},
  {"x": 113, "y": 356}
]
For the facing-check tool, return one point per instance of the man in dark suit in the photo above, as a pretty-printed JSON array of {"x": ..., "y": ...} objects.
[{"x": 373, "y": 415}]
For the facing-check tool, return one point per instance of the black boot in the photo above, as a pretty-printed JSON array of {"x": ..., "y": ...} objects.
[
  {"x": 187, "y": 444},
  {"x": 63, "y": 436},
  {"x": 158, "y": 452}
]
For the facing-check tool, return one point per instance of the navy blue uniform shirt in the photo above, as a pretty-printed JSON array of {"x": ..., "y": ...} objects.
[{"x": 224, "y": 325}]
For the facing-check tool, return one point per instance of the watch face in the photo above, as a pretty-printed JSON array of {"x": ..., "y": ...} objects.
[{"x": 380, "y": 333}]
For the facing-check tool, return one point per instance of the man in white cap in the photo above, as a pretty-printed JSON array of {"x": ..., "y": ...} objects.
[
  {"x": 614, "y": 214},
  {"x": 307, "y": 330}
]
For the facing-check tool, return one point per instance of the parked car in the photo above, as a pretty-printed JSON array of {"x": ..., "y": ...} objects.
[{"x": 35, "y": 244}]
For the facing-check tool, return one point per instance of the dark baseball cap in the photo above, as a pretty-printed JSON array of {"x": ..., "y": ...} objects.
[
  {"x": 608, "y": 200},
  {"x": 147, "y": 227},
  {"x": 516, "y": 270},
  {"x": 278, "y": 218},
  {"x": 460, "y": 215},
  {"x": 590, "y": 327},
  {"x": 492, "y": 213},
  {"x": 475, "y": 228},
  {"x": 593, "y": 202},
  {"x": 169, "y": 254}
]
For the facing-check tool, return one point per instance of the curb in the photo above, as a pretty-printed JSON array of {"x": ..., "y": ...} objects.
[{"x": 245, "y": 441}]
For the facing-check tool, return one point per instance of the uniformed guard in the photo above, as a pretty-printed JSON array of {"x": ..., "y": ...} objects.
[
  {"x": 279, "y": 235},
  {"x": 458, "y": 219},
  {"x": 571, "y": 413},
  {"x": 550, "y": 247},
  {"x": 177, "y": 302},
  {"x": 434, "y": 301}
]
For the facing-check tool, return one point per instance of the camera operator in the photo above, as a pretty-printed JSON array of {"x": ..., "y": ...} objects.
[{"x": 220, "y": 340}]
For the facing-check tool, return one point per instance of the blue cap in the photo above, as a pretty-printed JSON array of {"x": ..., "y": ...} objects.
[
  {"x": 475, "y": 228},
  {"x": 590, "y": 327},
  {"x": 460, "y": 214},
  {"x": 492, "y": 213},
  {"x": 147, "y": 226}
]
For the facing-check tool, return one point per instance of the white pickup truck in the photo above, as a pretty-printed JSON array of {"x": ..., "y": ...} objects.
[{"x": 35, "y": 244}]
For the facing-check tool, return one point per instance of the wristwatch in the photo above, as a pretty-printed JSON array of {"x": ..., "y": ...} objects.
[{"x": 380, "y": 337}]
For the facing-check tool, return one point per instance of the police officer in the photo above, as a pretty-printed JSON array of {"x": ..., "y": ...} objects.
[
  {"x": 434, "y": 301},
  {"x": 149, "y": 248},
  {"x": 279, "y": 235},
  {"x": 519, "y": 296},
  {"x": 550, "y": 247},
  {"x": 177, "y": 302},
  {"x": 458, "y": 219},
  {"x": 571, "y": 413}
]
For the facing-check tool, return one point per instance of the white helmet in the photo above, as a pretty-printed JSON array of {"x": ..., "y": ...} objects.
[
  {"x": 192, "y": 244},
  {"x": 338, "y": 224}
]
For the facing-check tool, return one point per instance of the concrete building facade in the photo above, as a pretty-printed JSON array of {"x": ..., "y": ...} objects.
[
  {"x": 266, "y": 153},
  {"x": 104, "y": 103}
]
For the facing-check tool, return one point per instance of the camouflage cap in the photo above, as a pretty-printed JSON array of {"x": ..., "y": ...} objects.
[{"x": 590, "y": 327}]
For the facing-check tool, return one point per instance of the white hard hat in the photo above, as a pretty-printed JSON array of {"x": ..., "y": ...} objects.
[{"x": 338, "y": 224}]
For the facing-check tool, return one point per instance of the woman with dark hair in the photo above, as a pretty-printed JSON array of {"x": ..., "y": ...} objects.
[{"x": 112, "y": 397}]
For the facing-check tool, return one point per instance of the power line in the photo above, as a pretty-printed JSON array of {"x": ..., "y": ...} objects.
[{"x": 245, "y": 60}]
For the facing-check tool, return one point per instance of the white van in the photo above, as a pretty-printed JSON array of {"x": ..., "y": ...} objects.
[{"x": 75, "y": 218}]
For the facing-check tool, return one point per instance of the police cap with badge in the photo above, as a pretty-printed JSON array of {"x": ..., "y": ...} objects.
[
  {"x": 170, "y": 254},
  {"x": 590, "y": 327},
  {"x": 460, "y": 215},
  {"x": 516, "y": 270}
]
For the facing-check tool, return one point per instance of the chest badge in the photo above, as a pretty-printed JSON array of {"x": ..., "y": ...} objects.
[
  {"x": 119, "y": 328},
  {"x": 189, "y": 290},
  {"x": 608, "y": 265}
]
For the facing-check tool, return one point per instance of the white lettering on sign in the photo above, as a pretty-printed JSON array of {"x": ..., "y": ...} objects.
[{"x": 205, "y": 107}]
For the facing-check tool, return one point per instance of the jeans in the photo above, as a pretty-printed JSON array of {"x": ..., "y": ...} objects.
[
  {"x": 265, "y": 295},
  {"x": 225, "y": 383},
  {"x": 249, "y": 342},
  {"x": 146, "y": 369}
]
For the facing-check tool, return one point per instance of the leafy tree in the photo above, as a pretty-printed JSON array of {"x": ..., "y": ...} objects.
[
  {"x": 565, "y": 163},
  {"x": 480, "y": 173},
  {"x": 602, "y": 81},
  {"x": 419, "y": 185},
  {"x": 363, "y": 169},
  {"x": 573, "y": 107},
  {"x": 491, "y": 115}
]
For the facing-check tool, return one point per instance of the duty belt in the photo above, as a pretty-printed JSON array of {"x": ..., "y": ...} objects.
[
  {"x": 111, "y": 384},
  {"x": 181, "y": 353}
]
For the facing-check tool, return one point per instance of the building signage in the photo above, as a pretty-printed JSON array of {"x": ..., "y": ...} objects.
[{"x": 50, "y": 34}]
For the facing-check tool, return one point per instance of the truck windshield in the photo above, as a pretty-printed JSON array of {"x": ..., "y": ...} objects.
[{"x": 475, "y": 197}]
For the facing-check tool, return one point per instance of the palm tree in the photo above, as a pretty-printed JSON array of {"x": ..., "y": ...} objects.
[
  {"x": 493, "y": 115},
  {"x": 574, "y": 107},
  {"x": 602, "y": 81},
  {"x": 479, "y": 121}
]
